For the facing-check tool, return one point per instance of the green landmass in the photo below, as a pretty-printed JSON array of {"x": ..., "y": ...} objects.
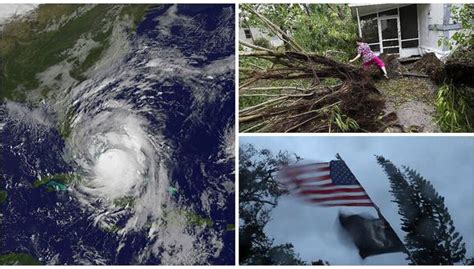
[
  {"x": 230, "y": 227},
  {"x": 176, "y": 216},
  {"x": 27, "y": 55},
  {"x": 57, "y": 180},
  {"x": 3, "y": 196},
  {"x": 55, "y": 186},
  {"x": 137, "y": 13},
  {"x": 65, "y": 128},
  {"x": 126, "y": 201},
  {"x": 111, "y": 228},
  {"x": 30, "y": 46},
  {"x": 172, "y": 190},
  {"x": 18, "y": 259},
  {"x": 197, "y": 220}
]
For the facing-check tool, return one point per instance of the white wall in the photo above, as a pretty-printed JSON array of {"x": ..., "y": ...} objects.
[
  {"x": 257, "y": 33},
  {"x": 429, "y": 14}
]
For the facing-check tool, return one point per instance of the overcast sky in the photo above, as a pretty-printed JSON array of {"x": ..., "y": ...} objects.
[{"x": 448, "y": 162}]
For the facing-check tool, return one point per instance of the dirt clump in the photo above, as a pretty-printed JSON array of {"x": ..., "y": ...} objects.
[
  {"x": 459, "y": 68},
  {"x": 430, "y": 65},
  {"x": 392, "y": 65}
]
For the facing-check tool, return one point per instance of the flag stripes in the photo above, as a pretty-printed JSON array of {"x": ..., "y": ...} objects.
[
  {"x": 326, "y": 184},
  {"x": 349, "y": 204},
  {"x": 331, "y": 191}
]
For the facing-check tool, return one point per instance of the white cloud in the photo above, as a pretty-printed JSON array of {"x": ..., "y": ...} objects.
[{"x": 7, "y": 11}]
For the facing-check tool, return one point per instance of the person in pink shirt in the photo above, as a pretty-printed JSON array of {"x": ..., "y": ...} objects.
[{"x": 368, "y": 57}]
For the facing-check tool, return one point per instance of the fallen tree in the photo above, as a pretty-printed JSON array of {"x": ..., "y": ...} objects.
[
  {"x": 460, "y": 67},
  {"x": 353, "y": 104}
]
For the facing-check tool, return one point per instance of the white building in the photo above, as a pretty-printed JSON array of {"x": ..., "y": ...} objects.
[
  {"x": 250, "y": 34},
  {"x": 406, "y": 29}
]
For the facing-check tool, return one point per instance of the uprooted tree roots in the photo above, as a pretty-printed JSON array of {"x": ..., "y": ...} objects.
[{"x": 354, "y": 104}]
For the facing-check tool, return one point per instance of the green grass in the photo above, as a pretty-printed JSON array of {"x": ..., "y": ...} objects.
[
  {"x": 247, "y": 101},
  {"x": 402, "y": 90},
  {"x": 258, "y": 65},
  {"x": 455, "y": 109},
  {"x": 18, "y": 259}
]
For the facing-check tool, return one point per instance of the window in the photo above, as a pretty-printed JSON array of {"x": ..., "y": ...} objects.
[
  {"x": 389, "y": 28},
  {"x": 388, "y": 12},
  {"x": 369, "y": 28},
  {"x": 248, "y": 33},
  {"x": 389, "y": 31},
  {"x": 410, "y": 44},
  {"x": 390, "y": 50},
  {"x": 375, "y": 47},
  {"x": 397, "y": 28},
  {"x": 393, "y": 43},
  {"x": 409, "y": 26}
]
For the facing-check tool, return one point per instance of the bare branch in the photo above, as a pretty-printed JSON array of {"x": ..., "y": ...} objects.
[
  {"x": 304, "y": 108},
  {"x": 254, "y": 46}
]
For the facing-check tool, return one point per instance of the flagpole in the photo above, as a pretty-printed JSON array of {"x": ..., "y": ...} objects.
[{"x": 382, "y": 217}]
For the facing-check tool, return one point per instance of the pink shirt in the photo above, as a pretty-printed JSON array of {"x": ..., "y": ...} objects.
[{"x": 366, "y": 53}]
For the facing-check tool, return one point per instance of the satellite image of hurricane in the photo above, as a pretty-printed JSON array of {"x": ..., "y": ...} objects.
[{"x": 117, "y": 134}]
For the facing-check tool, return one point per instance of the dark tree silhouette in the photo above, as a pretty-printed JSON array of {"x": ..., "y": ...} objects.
[
  {"x": 469, "y": 261},
  {"x": 259, "y": 191},
  {"x": 430, "y": 237},
  {"x": 320, "y": 262}
]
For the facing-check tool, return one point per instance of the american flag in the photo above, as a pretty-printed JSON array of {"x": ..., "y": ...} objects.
[{"x": 326, "y": 184}]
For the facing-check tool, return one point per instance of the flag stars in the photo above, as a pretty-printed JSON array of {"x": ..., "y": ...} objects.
[{"x": 341, "y": 175}]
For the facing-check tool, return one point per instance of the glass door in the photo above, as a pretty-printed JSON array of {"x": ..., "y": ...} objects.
[
  {"x": 370, "y": 31},
  {"x": 389, "y": 34}
]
